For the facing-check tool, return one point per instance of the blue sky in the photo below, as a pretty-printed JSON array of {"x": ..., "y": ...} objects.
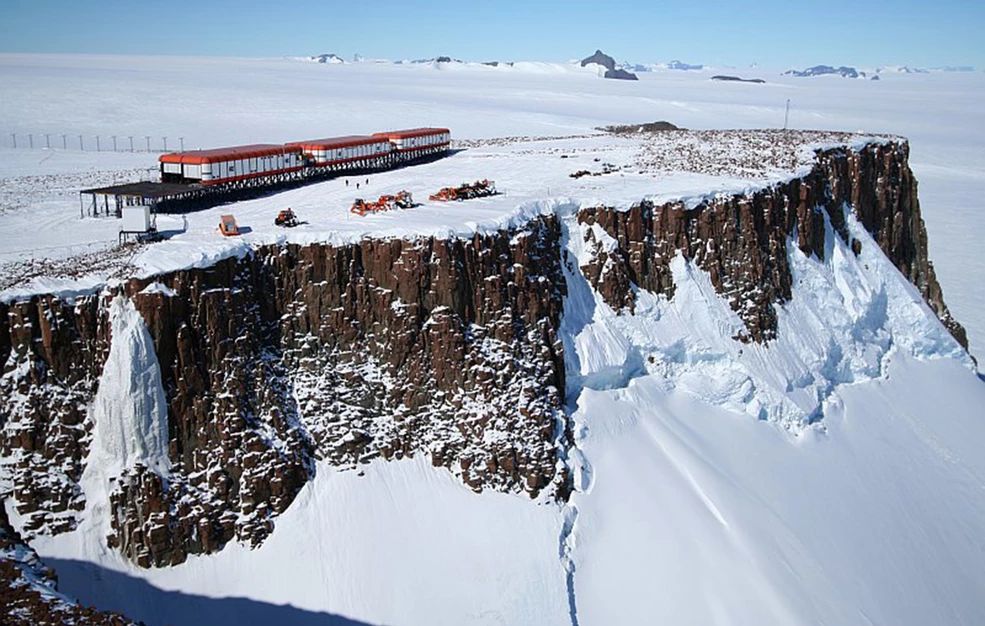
[{"x": 772, "y": 33}]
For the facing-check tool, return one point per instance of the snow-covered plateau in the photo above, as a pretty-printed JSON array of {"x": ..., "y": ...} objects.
[{"x": 710, "y": 380}]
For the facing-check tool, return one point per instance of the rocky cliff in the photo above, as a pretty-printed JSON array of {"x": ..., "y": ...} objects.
[
  {"x": 741, "y": 240},
  {"x": 381, "y": 349},
  {"x": 391, "y": 348},
  {"x": 53, "y": 352}
]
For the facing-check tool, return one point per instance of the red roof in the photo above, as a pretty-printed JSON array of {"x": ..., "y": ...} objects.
[
  {"x": 224, "y": 154},
  {"x": 333, "y": 142},
  {"x": 411, "y": 132}
]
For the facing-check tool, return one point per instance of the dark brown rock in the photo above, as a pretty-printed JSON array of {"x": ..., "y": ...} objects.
[{"x": 53, "y": 352}]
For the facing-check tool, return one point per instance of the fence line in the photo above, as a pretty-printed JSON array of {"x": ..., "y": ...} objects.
[{"x": 91, "y": 143}]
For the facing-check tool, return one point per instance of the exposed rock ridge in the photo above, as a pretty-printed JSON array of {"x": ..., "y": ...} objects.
[
  {"x": 741, "y": 240},
  {"x": 385, "y": 348}
]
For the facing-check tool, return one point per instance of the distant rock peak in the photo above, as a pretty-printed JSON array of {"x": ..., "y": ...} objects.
[
  {"x": 611, "y": 71},
  {"x": 826, "y": 70},
  {"x": 331, "y": 58},
  {"x": 680, "y": 65}
]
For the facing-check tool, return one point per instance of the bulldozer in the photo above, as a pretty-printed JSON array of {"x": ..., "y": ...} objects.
[
  {"x": 466, "y": 191},
  {"x": 402, "y": 200},
  {"x": 286, "y": 218},
  {"x": 405, "y": 200}
]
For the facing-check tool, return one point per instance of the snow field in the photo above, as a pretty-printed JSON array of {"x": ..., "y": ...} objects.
[{"x": 395, "y": 543}]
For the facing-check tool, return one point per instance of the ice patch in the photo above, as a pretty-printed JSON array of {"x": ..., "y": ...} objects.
[
  {"x": 158, "y": 288},
  {"x": 607, "y": 360},
  {"x": 130, "y": 408},
  {"x": 846, "y": 316}
]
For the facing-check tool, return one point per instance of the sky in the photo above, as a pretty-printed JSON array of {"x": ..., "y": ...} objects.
[{"x": 771, "y": 33}]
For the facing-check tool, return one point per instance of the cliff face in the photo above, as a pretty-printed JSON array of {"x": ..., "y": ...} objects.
[
  {"x": 380, "y": 349},
  {"x": 53, "y": 353},
  {"x": 391, "y": 348},
  {"x": 741, "y": 241}
]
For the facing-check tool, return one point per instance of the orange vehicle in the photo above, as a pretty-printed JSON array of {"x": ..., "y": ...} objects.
[
  {"x": 403, "y": 200},
  {"x": 466, "y": 191},
  {"x": 286, "y": 218},
  {"x": 228, "y": 226}
]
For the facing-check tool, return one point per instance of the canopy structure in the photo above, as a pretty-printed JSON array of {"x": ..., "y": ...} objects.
[{"x": 130, "y": 194}]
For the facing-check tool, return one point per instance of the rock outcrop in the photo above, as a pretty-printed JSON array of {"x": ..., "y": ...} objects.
[
  {"x": 330, "y": 58},
  {"x": 737, "y": 79},
  {"x": 741, "y": 240},
  {"x": 611, "y": 71}
]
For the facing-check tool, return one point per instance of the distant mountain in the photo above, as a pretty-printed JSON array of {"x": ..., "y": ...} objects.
[
  {"x": 826, "y": 70},
  {"x": 611, "y": 71},
  {"x": 650, "y": 67},
  {"x": 955, "y": 68},
  {"x": 901, "y": 69},
  {"x": 327, "y": 58},
  {"x": 680, "y": 65},
  {"x": 620, "y": 74},
  {"x": 358, "y": 58}
]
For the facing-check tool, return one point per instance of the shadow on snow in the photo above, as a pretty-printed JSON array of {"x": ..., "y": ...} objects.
[{"x": 137, "y": 599}]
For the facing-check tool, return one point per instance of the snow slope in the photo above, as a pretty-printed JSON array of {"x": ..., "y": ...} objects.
[
  {"x": 700, "y": 515},
  {"x": 396, "y": 543},
  {"x": 829, "y": 477}
]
